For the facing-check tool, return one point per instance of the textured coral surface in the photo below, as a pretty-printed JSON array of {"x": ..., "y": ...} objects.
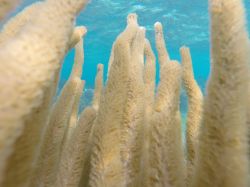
[{"x": 130, "y": 135}]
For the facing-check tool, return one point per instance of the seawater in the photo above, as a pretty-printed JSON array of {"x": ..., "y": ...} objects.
[{"x": 185, "y": 22}]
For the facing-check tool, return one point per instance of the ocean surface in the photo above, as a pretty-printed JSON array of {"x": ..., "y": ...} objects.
[{"x": 185, "y": 22}]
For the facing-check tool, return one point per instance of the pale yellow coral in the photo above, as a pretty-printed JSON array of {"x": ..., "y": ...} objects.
[
  {"x": 167, "y": 130},
  {"x": 23, "y": 56},
  {"x": 98, "y": 87},
  {"x": 75, "y": 153},
  {"x": 149, "y": 75},
  {"x": 56, "y": 134},
  {"x": 16, "y": 23},
  {"x": 107, "y": 167},
  {"x": 223, "y": 151},
  {"x": 166, "y": 121},
  {"x": 63, "y": 121},
  {"x": 74, "y": 113},
  {"x": 77, "y": 72},
  {"x": 163, "y": 55},
  {"x": 149, "y": 81},
  {"x": 111, "y": 59},
  {"x": 195, "y": 101},
  {"x": 77, "y": 41},
  {"x": 133, "y": 117}
]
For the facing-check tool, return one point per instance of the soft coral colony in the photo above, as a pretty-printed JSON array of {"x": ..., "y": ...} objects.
[{"x": 131, "y": 134}]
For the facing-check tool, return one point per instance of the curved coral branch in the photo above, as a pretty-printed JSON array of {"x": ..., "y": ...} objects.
[
  {"x": 106, "y": 166},
  {"x": 160, "y": 44},
  {"x": 167, "y": 129},
  {"x": 16, "y": 23},
  {"x": 133, "y": 117},
  {"x": 75, "y": 153},
  {"x": 223, "y": 151},
  {"x": 74, "y": 113},
  {"x": 24, "y": 55},
  {"x": 77, "y": 72},
  {"x": 86, "y": 167},
  {"x": 195, "y": 104},
  {"x": 20, "y": 164},
  {"x": 149, "y": 80},
  {"x": 75, "y": 41},
  {"x": 111, "y": 59},
  {"x": 149, "y": 74},
  {"x": 79, "y": 54},
  {"x": 67, "y": 108},
  {"x": 98, "y": 87},
  {"x": 55, "y": 134}
]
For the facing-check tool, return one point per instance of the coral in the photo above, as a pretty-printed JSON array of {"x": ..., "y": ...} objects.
[
  {"x": 55, "y": 134},
  {"x": 98, "y": 87},
  {"x": 165, "y": 134},
  {"x": 16, "y": 24},
  {"x": 223, "y": 151},
  {"x": 95, "y": 105},
  {"x": 168, "y": 127},
  {"x": 166, "y": 138},
  {"x": 74, "y": 112},
  {"x": 149, "y": 76},
  {"x": 195, "y": 101},
  {"x": 107, "y": 167},
  {"x": 62, "y": 121},
  {"x": 149, "y": 81},
  {"x": 131, "y": 134},
  {"x": 76, "y": 40},
  {"x": 28, "y": 49},
  {"x": 163, "y": 55},
  {"x": 77, "y": 72},
  {"x": 133, "y": 117},
  {"x": 74, "y": 154},
  {"x": 111, "y": 59}
]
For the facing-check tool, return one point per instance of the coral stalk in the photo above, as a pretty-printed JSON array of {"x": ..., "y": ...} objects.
[
  {"x": 16, "y": 23},
  {"x": 223, "y": 150},
  {"x": 107, "y": 167},
  {"x": 62, "y": 120},
  {"x": 167, "y": 129},
  {"x": 98, "y": 87},
  {"x": 163, "y": 55},
  {"x": 74, "y": 155},
  {"x": 167, "y": 116},
  {"x": 149, "y": 81},
  {"x": 195, "y": 104},
  {"x": 24, "y": 55}
]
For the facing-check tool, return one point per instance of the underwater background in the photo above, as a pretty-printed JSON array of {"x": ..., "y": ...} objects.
[{"x": 185, "y": 22}]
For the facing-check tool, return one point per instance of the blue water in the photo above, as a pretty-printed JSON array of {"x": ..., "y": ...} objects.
[{"x": 186, "y": 22}]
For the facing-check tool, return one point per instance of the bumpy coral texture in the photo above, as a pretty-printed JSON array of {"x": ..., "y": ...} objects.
[
  {"x": 149, "y": 81},
  {"x": 195, "y": 105},
  {"x": 222, "y": 152},
  {"x": 15, "y": 24},
  {"x": 107, "y": 168},
  {"x": 61, "y": 124},
  {"x": 28, "y": 49},
  {"x": 74, "y": 154},
  {"x": 98, "y": 87},
  {"x": 131, "y": 134},
  {"x": 86, "y": 165},
  {"x": 165, "y": 120}
]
